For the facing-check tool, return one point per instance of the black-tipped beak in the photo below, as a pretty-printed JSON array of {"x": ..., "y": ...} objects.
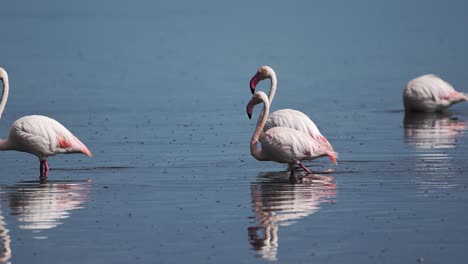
[
  {"x": 249, "y": 109},
  {"x": 253, "y": 83}
]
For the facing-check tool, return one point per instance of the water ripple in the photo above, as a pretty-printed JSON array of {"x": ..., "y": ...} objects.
[{"x": 280, "y": 201}]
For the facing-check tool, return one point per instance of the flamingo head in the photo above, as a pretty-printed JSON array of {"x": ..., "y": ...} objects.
[
  {"x": 3, "y": 74},
  {"x": 257, "y": 98},
  {"x": 263, "y": 73}
]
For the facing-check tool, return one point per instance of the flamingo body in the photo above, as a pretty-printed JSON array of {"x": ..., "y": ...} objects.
[
  {"x": 39, "y": 135},
  {"x": 283, "y": 144},
  {"x": 287, "y": 145},
  {"x": 43, "y": 137},
  {"x": 296, "y": 120},
  {"x": 429, "y": 93},
  {"x": 286, "y": 117}
]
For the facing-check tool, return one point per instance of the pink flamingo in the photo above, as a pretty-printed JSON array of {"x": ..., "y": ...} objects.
[
  {"x": 38, "y": 135},
  {"x": 429, "y": 93},
  {"x": 286, "y": 117},
  {"x": 283, "y": 144}
]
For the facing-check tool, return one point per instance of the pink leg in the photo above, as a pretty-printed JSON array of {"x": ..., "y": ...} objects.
[
  {"x": 304, "y": 167},
  {"x": 46, "y": 174},
  {"x": 44, "y": 170}
]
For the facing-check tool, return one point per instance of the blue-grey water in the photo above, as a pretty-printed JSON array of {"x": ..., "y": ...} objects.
[{"x": 157, "y": 90}]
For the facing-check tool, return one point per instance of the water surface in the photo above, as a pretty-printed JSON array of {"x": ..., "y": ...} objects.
[{"x": 157, "y": 91}]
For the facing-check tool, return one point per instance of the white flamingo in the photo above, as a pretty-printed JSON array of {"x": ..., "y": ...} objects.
[
  {"x": 285, "y": 117},
  {"x": 283, "y": 144},
  {"x": 429, "y": 93},
  {"x": 38, "y": 135}
]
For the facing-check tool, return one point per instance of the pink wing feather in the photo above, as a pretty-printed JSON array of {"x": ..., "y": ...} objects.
[{"x": 284, "y": 144}]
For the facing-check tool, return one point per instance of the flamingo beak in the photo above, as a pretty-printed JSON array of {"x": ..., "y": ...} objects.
[
  {"x": 253, "y": 83},
  {"x": 249, "y": 109}
]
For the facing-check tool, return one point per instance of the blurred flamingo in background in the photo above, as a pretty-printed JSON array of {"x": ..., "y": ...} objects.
[
  {"x": 38, "y": 135},
  {"x": 429, "y": 93},
  {"x": 283, "y": 144},
  {"x": 286, "y": 117}
]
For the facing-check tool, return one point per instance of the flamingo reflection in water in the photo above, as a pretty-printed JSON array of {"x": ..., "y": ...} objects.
[
  {"x": 280, "y": 200},
  {"x": 432, "y": 130},
  {"x": 40, "y": 207},
  {"x": 5, "y": 239},
  {"x": 432, "y": 136}
]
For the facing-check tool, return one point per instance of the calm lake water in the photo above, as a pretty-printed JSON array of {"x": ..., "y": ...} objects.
[{"x": 157, "y": 90}]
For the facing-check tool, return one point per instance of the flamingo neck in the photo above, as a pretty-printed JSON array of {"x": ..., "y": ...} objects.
[
  {"x": 4, "y": 77},
  {"x": 274, "y": 81},
  {"x": 254, "y": 148}
]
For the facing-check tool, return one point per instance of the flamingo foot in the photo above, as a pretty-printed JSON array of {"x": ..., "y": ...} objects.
[{"x": 304, "y": 167}]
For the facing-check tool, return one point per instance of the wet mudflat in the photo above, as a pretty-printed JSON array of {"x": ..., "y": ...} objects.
[{"x": 157, "y": 91}]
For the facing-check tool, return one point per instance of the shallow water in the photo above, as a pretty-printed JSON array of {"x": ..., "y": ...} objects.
[{"x": 158, "y": 90}]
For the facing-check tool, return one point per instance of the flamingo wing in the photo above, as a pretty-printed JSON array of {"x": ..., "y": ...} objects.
[
  {"x": 287, "y": 145},
  {"x": 296, "y": 120},
  {"x": 26, "y": 141},
  {"x": 45, "y": 136},
  {"x": 430, "y": 93}
]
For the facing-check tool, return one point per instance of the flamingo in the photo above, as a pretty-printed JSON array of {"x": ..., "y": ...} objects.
[
  {"x": 286, "y": 117},
  {"x": 283, "y": 144},
  {"x": 39, "y": 135},
  {"x": 429, "y": 93}
]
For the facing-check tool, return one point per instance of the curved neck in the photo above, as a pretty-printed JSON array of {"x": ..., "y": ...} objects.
[
  {"x": 4, "y": 77},
  {"x": 254, "y": 148},
  {"x": 273, "y": 80}
]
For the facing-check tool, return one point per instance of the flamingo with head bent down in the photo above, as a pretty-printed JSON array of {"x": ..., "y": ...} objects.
[
  {"x": 429, "y": 93},
  {"x": 286, "y": 117},
  {"x": 39, "y": 135},
  {"x": 283, "y": 144}
]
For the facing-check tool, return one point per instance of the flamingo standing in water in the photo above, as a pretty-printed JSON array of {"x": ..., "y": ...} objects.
[
  {"x": 283, "y": 144},
  {"x": 429, "y": 93},
  {"x": 38, "y": 135},
  {"x": 286, "y": 117}
]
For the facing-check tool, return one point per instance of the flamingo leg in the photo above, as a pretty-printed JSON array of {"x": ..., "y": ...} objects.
[
  {"x": 41, "y": 169},
  {"x": 304, "y": 167},
  {"x": 44, "y": 170},
  {"x": 46, "y": 173}
]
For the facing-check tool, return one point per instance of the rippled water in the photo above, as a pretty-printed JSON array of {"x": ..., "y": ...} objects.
[
  {"x": 157, "y": 91},
  {"x": 279, "y": 201}
]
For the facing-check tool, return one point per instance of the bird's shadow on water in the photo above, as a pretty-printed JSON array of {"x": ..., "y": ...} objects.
[
  {"x": 94, "y": 168},
  {"x": 280, "y": 200},
  {"x": 390, "y": 111}
]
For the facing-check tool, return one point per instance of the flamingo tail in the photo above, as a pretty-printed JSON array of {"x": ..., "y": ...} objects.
[
  {"x": 465, "y": 96},
  {"x": 86, "y": 151},
  {"x": 83, "y": 149}
]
